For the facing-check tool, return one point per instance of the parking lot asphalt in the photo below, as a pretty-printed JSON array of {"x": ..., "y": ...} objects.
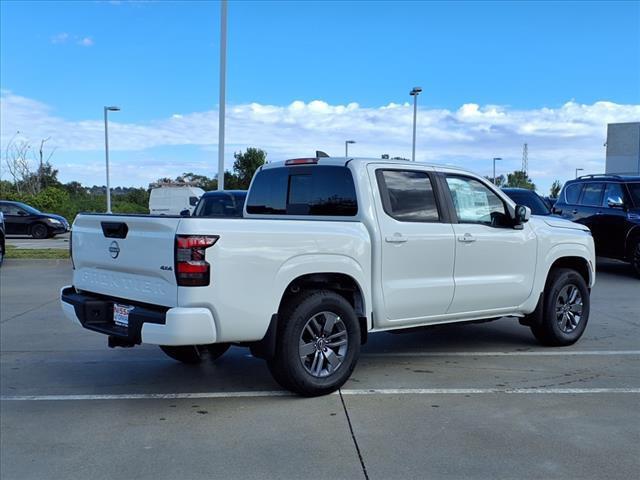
[
  {"x": 475, "y": 401},
  {"x": 28, "y": 242}
]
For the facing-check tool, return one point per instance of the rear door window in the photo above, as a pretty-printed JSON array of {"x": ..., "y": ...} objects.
[
  {"x": 315, "y": 190},
  {"x": 592, "y": 194},
  {"x": 407, "y": 195}
]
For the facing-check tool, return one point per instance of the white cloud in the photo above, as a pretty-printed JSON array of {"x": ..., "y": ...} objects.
[
  {"x": 85, "y": 42},
  {"x": 559, "y": 138},
  {"x": 60, "y": 38}
]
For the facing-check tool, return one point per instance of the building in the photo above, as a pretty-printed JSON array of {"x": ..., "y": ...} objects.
[{"x": 623, "y": 148}]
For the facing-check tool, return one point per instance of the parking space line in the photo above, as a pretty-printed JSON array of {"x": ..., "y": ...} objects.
[
  {"x": 347, "y": 392},
  {"x": 532, "y": 353}
]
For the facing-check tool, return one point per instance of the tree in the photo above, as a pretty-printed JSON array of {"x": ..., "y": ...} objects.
[
  {"x": 556, "y": 186},
  {"x": 499, "y": 182},
  {"x": 519, "y": 179},
  {"x": 246, "y": 164}
]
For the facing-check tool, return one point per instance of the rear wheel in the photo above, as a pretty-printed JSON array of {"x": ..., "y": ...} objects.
[
  {"x": 318, "y": 344},
  {"x": 194, "y": 354},
  {"x": 635, "y": 257},
  {"x": 39, "y": 231},
  {"x": 566, "y": 309}
]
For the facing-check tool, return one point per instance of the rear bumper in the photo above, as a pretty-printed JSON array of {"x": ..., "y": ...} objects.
[{"x": 147, "y": 323}]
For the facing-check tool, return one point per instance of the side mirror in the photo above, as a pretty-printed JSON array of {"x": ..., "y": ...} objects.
[
  {"x": 615, "y": 202},
  {"x": 523, "y": 214},
  {"x": 185, "y": 213}
]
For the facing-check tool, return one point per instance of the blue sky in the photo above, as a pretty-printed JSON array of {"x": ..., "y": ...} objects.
[{"x": 159, "y": 62}]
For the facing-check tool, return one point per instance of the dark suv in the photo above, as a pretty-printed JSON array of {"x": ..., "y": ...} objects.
[{"x": 610, "y": 206}]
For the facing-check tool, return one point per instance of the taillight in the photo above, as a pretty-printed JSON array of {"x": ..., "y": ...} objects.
[
  {"x": 192, "y": 270},
  {"x": 301, "y": 161}
]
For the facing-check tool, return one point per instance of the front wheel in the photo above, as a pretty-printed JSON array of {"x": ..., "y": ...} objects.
[
  {"x": 318, "y": 344},
  {"x": 194, "y": 354},
  {"x": 566, "y": 309}
]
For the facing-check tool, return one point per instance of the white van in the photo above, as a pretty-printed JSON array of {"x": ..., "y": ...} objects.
[{"x": 170, "y": 200}]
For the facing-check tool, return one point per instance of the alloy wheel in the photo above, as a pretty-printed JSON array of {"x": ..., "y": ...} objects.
[
  {"x": 569, "y": 308},
  {"x": 323, "y": 344}
]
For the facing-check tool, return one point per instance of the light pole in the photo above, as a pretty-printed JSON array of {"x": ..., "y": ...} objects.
[
  {"x": 494, "y": 168},
  {"x": 221, "y": 103},
  {"x": 346, "y": 146},
  {"x": 106, "y": 151},
  {"x": 578, "y": 170},
  {"x": 414, "y": 93}
]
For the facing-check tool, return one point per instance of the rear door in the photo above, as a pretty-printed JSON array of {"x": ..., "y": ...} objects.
[
  {"x": 129, "y": 257},
  {"x": 417, "y": 247},
  {"x": 609, "y": 225}
]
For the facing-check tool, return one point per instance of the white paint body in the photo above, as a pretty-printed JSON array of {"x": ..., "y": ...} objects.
[
  {"x": 432, "y": 277},
  {"x": 173, "y": 200}
]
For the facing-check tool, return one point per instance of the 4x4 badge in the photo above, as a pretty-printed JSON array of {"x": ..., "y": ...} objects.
[{"x": 114, "y": 249}]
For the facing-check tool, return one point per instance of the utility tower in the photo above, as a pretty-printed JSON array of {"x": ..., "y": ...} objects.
[{"x": 525, "y": 159}]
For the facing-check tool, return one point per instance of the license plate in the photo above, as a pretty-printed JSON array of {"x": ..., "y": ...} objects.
[{"x": 121, "y": 314}]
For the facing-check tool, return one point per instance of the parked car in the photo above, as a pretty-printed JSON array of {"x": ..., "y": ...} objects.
[
  {"x": 610, "y": 206},
  {"x": 172, "y": 200},
  {"x": 530, "y": 199},
  {"x": 329, "y": 250},
  {"x": 2, "y": 238},
  {"x": 551, "y": 201},
  {"x": 22, "y": 219},
  {"x": 222, "y": 203}
]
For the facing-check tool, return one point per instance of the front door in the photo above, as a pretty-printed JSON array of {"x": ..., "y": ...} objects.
[
  {"x": 417, "y": 247},
  {"x": 495, "y": 263}
]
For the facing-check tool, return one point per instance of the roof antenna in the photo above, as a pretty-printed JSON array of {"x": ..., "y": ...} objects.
[{"x": 321, "y": 154}]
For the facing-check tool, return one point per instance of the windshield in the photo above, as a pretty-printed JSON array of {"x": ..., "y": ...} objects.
[
  {"x": 531, "y": 200},
  {"x": 221, "y": 204},
  {"x": 29, "y": 209}
]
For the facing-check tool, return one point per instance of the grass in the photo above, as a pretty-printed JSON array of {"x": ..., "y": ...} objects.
[{"x": 36, "y": 253}]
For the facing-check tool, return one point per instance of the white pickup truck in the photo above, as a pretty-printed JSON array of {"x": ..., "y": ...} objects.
[{"x": 329, "y": 250}]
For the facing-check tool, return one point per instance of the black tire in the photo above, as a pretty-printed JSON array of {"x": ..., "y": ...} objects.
[
  {"x": 287, "y": 366},
  {"x": 194, "y": 354},
  {"x": 39, "y": 231},
  {"x": 550, "y": 331},
  {"x": 634, "y": 257}
]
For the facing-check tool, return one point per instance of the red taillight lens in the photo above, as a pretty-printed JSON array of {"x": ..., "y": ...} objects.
[
  {"x": 301, "y": 161},
  {"x": 192, "y": 270}
]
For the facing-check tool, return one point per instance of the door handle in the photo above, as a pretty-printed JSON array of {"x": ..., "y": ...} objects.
[
  {"x": 575, "y": 211},
  {"x": 466, "y": 238},
  {"x": 396, "y": 238}
]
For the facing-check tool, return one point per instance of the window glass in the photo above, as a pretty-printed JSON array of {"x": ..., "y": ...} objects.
[
  {"x": 408, "y": 195},
  {"x": 193, "y": 201},
  {"x": 592, "y": 194},
  {"x": 572, "y": 193},
  {"x": 9, "y": 209},
  {"x": 307, "y": 190},
  {"x": 613, "y": 192},
  {"x": 220, "y": 204},
  {"x": 474, "y": 202},
  {"x": 634, "y": 190}
]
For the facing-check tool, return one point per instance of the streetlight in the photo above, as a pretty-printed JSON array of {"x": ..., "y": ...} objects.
[
  {"x": 221, "y": 104},
  {"x": 494, "y": 168},
  {"x": 106, "y": 151},
  {"x": 346, "y": 146},
  {"x": 578, "y": 170},
  {"x": 414, "y": 93}
]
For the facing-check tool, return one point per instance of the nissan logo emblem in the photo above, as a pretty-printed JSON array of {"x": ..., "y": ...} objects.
[{"x": 114, "y": 249}]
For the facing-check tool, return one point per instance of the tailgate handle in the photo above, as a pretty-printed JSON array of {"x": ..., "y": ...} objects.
[{"x": 114, "y": 229}]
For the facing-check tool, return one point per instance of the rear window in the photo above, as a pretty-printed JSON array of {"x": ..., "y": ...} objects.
[
  {"x": 315, "y": 190},
  {"x": 572, "y": 193},
  {"x": 220, "y": 204}
]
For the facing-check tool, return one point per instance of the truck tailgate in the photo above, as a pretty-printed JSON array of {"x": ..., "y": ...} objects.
[{"x": 126, "y": 256}]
